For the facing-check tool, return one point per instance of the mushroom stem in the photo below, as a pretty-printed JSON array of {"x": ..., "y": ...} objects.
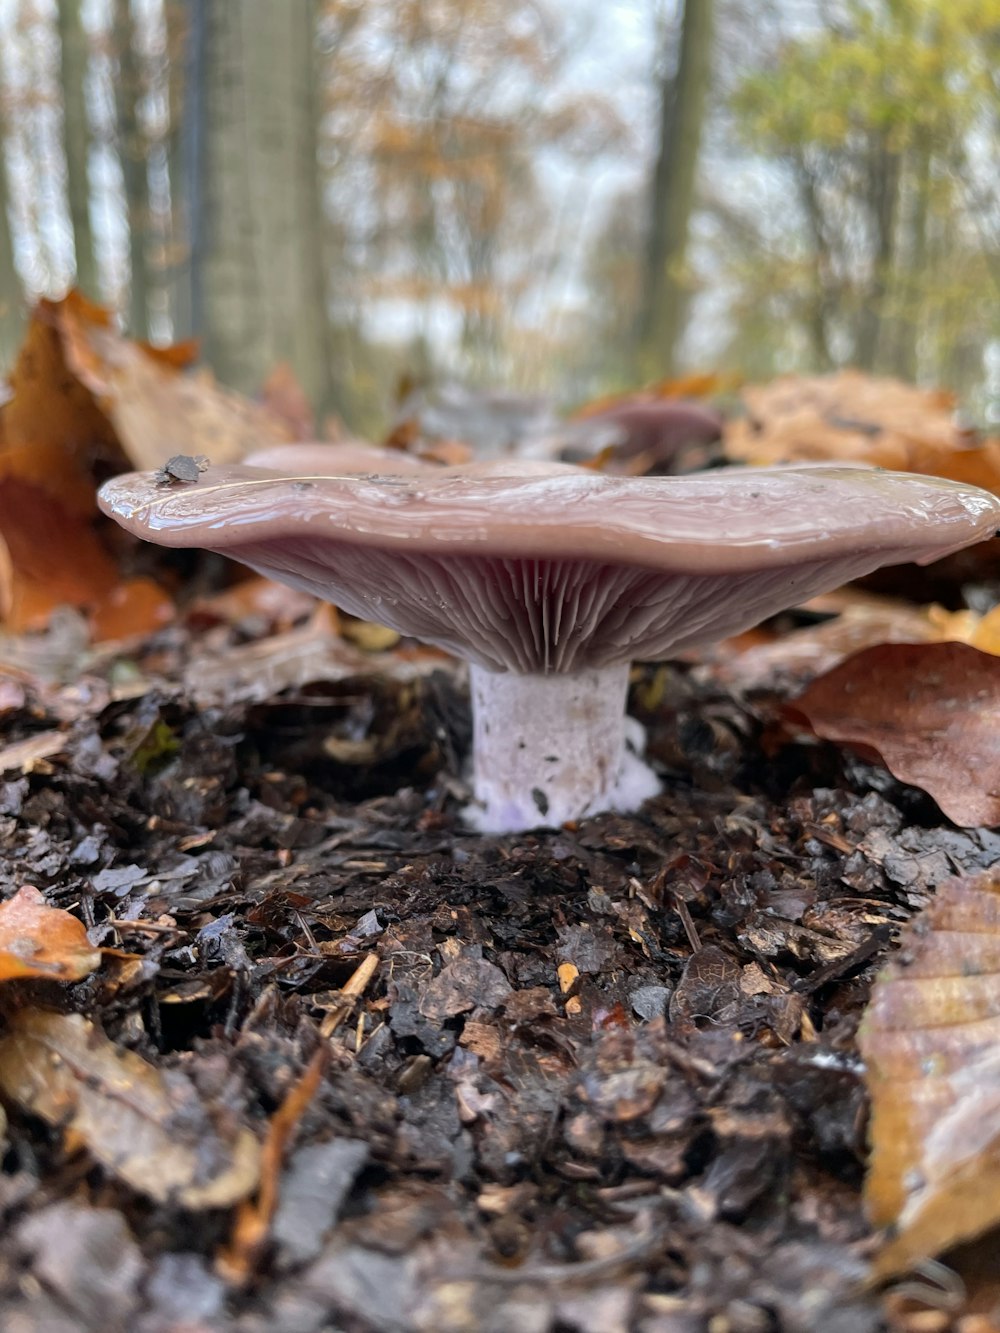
[{"x": 551, "y": 748}]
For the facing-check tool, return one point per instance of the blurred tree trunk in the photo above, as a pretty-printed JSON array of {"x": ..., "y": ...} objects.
[
  {"x": 11, "y": 299},
  {"x": 824, "y": 299},
  {"x": 258, "y": 267},
  {"x": 682, "y": 110},
  {"x": 883, "y": 206},
  {"x": 74, "y": 50},
  {"x": 177, "y": 20},
  {"x": 135, "y": 175},
  {"x": 902, "y": 353}
]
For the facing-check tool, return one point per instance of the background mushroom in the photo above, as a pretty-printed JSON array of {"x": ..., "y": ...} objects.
[{"x": 549, "y": 580}]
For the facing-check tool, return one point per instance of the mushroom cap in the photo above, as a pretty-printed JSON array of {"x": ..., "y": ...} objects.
[
  {"x": 539, "y": 567},
  {"x": 660, "y": 426}
]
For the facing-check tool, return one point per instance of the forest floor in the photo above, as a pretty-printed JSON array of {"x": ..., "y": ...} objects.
[{"x": 597, "y": 1078}]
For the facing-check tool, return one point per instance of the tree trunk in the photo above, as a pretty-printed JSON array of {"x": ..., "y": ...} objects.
[
  {"x": 823, "y": 298},
  {"x": 258, "y": 268},
  {"x": 135, "y": 176},
  {"x": 11, "y": 298},
  {"x": 682, "y": 106},
  {"x": 883, "y": 201},
  {"x": 902, "y": 355},
  {"x": 180, "y": 50},
  {"x": 74, "y": 49}
]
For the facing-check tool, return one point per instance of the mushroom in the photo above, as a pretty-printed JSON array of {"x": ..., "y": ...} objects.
[
  {"x": 662, "y": 434},
  {"x": 548, "y": 580}
]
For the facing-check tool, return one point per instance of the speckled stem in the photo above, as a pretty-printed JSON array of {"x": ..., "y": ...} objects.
[{"x": 547, "y": 749}]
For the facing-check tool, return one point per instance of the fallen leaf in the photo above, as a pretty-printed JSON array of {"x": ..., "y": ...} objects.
[
  {"x": 84, "y": 400},
  {"x": 134, "y": 608},
  {"x": 285, "y": 398},
  {"x": 466, "y": 983},
  {"x": 49, "y": 557},
  {"x": 155, "y": 410},
  {"x": 49, "y": 407},
  {"x": 149, "y": 1128},
  {"x": 41, "y": 941},
  {"x": 929, "y": 711},
  {"x": 845, "y": 417},
  {"x": 858, "y": 619},
  {"x": 368, "y": 636},
  {"x": 931, "y": 1044},
  {"x": 257, "y": 599},
  {"x": 985, "y": 633}
]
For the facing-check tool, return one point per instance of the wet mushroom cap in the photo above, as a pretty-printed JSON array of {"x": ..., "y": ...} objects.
[{"x": 546, "y": 567}]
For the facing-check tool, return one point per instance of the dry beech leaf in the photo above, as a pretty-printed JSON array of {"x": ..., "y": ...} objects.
[
  {"x": 41, "y": 941},
  {"x": 48, "y": 404},
  {"x": 155, "y": 409},
  {"x": 929, "y": 711},
  {"x": 133, "y": 608},
  {"x": 285, "y": 398},
  {"x": 848, "y": 416},
  {"x": 145, "y": 1126},
  {"x": 49, "y": 557},
  {"x": 931, "y": 1043}
]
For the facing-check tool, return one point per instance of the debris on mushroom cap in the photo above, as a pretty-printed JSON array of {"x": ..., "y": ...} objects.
[{"x": 547, "y": 567}]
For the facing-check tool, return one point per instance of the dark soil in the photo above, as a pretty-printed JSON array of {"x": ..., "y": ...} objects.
[{"x": 602, "y": 1078}]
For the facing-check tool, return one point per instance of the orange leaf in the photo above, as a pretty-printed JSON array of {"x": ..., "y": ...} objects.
[
  {"x": 930, "y": 711},
  {"x": 155, "y": 410},
  {"x": 49, "y": 557},
  {"x": 41, "y": 941},
  {"x": 283, "y": 395},
  {"x": 847, "y": 417},
  {"x": 930, "y": 1039},
  {"x": 49, "y": 406},
  {"x": 135, "y": 607}
]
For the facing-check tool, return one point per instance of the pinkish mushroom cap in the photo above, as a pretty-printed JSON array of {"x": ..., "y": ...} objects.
[
  {"x": 549, "y": 579},
  {"x": 659, "y": 427}
]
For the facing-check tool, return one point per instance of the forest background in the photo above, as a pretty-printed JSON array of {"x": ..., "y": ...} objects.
[{"x": 557, "y": 198}]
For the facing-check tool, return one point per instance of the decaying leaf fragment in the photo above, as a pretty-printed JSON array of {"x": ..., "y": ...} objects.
[
  {"x": 41, "y": 941},
  {"x": 929, "y": 711},
  {"x": 931, "y": 1043},
  {"x": 147, "y": 1127}
]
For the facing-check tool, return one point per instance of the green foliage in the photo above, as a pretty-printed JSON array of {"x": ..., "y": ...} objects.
[{"x": 884, "y": 123}]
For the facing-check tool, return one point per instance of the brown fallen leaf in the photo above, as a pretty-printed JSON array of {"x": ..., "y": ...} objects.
[
  {"x": 758, "y": 658},
  {"x": 931, "y": 1044},
  {"x": 41, "y": 941},
  {"x": 846, "y": 417},
  {"x": 154, "y": 408},
  {"x": 84, "y": 400},
  {"x": 145, "y": 1126},
  {"x": 929, "y": 711},
  {"x": 49, "y": 556},
  {"x": 48, "y": 405},
  {"x": 285, "y": 398},
  {"x": 132, "y": 609}
]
